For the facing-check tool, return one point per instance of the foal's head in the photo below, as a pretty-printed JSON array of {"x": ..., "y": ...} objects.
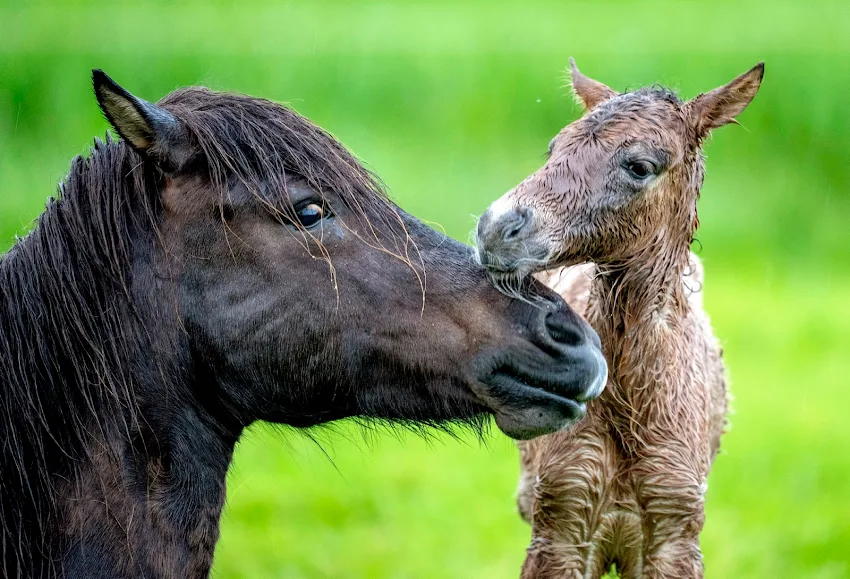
[
  {"x": 621, "y": 180},
  {"x": 305, "y": 295}
]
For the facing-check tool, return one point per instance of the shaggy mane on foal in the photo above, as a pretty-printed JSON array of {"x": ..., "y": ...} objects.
[{"x": 618, "y": 195}]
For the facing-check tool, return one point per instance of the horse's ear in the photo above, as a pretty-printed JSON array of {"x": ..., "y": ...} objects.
[
  {"x": 720, "y": 107},
  {"x": 588, "y": 91},
  {"x": 149, "y": 129}
]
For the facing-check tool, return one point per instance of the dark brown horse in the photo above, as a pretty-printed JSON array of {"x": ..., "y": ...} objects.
[{"x": 224, "y": 262}]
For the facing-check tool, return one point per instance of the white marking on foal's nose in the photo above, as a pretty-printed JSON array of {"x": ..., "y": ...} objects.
[{"x": 501, "y": 207}]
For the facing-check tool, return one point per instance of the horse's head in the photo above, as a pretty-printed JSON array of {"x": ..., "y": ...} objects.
[
  {"x": 304, "y": 295},
  {"x": 619, "y": 181}
]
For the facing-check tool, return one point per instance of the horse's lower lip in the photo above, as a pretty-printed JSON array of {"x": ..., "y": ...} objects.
[{"x": 524, "y": 411}]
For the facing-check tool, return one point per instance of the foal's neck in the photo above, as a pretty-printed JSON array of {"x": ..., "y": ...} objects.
[
  {"x": 646, "y": 290},
  {"x": 640, "y": 311}
]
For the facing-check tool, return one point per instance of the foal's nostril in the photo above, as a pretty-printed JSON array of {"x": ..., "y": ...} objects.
[{"x": 513, "y": 223}]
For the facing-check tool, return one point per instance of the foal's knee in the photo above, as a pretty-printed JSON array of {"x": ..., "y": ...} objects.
[{"x": 681, "y": 559}]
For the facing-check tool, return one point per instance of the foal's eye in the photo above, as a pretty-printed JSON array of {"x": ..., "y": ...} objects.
[
  {"x": 310, "y": 215},
  {"x": 552, "y": 146},
  {"x": 640, "y": 170}
]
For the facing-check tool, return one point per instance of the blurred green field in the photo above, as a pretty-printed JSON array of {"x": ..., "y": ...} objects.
[{"x": 453, "y": 103}]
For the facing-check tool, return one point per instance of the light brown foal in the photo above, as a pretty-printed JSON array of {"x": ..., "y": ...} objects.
[{"x": 626, "y": 486}]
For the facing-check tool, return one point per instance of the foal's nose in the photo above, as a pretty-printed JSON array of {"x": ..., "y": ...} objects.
[
  {"x": 501, "y": 232},
  {"x": 505, "y": 227}
]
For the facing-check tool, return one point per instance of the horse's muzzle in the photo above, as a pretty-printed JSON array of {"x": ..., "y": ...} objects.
[{"x": 542, "y": 385}]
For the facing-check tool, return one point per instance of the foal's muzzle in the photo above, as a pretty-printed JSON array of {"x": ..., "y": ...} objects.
[
  {"x": 506, "y": 241},
  {"x": 543, "y": 384}
]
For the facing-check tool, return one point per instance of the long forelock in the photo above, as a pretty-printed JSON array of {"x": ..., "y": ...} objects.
[
  {"x": 267, "y": 146},
  {"x": 639, "y": 105}
]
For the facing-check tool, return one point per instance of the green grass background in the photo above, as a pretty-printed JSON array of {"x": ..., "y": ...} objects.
[{"x": 452, "y": 103}]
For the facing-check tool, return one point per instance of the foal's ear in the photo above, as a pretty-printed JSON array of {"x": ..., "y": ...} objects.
[
  {"x": 588, "y": 91},
  {"x": 151, "y": 130},
  {"x": 720, "y": 107}
]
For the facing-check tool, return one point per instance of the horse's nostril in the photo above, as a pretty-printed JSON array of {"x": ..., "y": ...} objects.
[
  {"x": 513, "y": 223},
  {"x": 562, "y": 330}
]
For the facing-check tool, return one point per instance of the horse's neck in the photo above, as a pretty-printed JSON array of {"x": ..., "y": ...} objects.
[
  {"x": 158, "y": 483},
  {"x": 117, "y": 471},
  {"x": 160, "y": 499}
]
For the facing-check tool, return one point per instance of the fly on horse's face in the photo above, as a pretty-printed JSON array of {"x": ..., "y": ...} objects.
[
  {"x": 308, "y": 296},
  {"x": 616, "y": 181}
]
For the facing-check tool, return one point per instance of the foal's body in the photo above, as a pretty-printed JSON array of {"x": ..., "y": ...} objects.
[{"x": 627, "y": 484}]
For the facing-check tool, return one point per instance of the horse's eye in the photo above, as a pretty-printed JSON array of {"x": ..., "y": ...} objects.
[
  {"x": 640, "y": 170},
  {"x": 310, "y": 215},
  {"x": 552, "y": 146}
]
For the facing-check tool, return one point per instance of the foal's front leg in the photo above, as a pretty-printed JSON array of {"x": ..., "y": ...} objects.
[
  {"x": 570, "y": 495},
  {"x": 672, "y": 498}
]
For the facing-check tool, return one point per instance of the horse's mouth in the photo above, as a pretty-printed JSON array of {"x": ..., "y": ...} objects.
[
  {"x": 531, "y": 403},
  {"x": 542, "y": 384},
  {"x": 512, "y": 267},
  {"x": 524, "y": 411}
]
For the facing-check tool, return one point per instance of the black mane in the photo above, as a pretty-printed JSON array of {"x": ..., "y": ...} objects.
[
  {"x": 63, "y": 335},
  {"x": 261, "y": 143}
]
